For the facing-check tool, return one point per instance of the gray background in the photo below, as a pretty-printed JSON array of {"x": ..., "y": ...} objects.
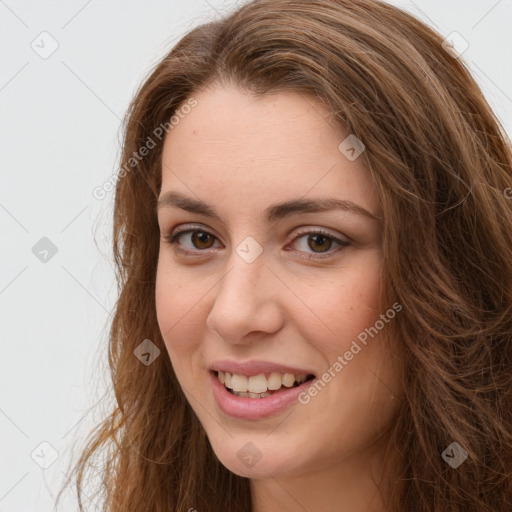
[{"x": 60, "y": 138}]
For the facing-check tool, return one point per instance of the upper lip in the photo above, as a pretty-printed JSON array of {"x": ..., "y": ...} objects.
[{"x": 255, "y": 367}]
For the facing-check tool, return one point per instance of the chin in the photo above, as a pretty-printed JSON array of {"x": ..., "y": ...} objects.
[{"x": 250, "y": 459}]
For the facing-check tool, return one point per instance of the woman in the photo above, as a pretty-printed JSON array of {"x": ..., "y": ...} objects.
[{"x": 314, "y": 252}]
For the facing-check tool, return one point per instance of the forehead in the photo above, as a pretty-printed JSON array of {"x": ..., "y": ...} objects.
[
  {"x": 260, "y": 149},
  {"x": 230, "y": 119}
]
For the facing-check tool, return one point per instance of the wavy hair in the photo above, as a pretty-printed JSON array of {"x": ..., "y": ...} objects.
[{"x": 441, "y": 162}]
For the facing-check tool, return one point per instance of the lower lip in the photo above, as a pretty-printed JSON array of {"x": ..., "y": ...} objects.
[{"x": 254, "y": 408}]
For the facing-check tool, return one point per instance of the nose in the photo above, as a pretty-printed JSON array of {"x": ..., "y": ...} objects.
[{"x": 246, "y": 302}]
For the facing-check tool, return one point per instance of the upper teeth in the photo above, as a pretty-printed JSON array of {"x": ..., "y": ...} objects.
[{"x": 259, "y": 383}]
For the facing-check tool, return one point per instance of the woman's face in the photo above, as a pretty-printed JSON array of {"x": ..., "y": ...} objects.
[{"x": 269, "y": 283}]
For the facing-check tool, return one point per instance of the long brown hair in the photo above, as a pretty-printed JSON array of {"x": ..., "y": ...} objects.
[{"x": 440, "y": 161}]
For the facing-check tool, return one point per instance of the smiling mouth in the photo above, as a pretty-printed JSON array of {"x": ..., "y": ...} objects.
[{"x": 261, "y": 385}]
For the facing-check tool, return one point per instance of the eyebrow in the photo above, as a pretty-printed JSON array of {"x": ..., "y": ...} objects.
[{"x": 272, "y": 213}]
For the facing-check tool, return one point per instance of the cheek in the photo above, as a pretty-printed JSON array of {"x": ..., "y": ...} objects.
[
  {"x": 344, "y": 305},
  {"x": 346, "y": 322},
  {"x": 178, "y": 310}
]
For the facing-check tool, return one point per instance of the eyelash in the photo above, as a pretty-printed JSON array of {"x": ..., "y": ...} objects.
[{"x": 173, "y": 237}]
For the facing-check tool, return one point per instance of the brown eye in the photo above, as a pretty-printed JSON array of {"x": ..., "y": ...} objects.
[
  {"x": 197, "y": 240},
  {"x": 201, "y": 239},
  {"x": 314, "y": 243},
  {"x": 319, "y": 243},
  {"x": 310, "y": 244}
]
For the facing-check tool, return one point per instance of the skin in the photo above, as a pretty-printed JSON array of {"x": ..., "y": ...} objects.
[{"x": 241, "y": 154}]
